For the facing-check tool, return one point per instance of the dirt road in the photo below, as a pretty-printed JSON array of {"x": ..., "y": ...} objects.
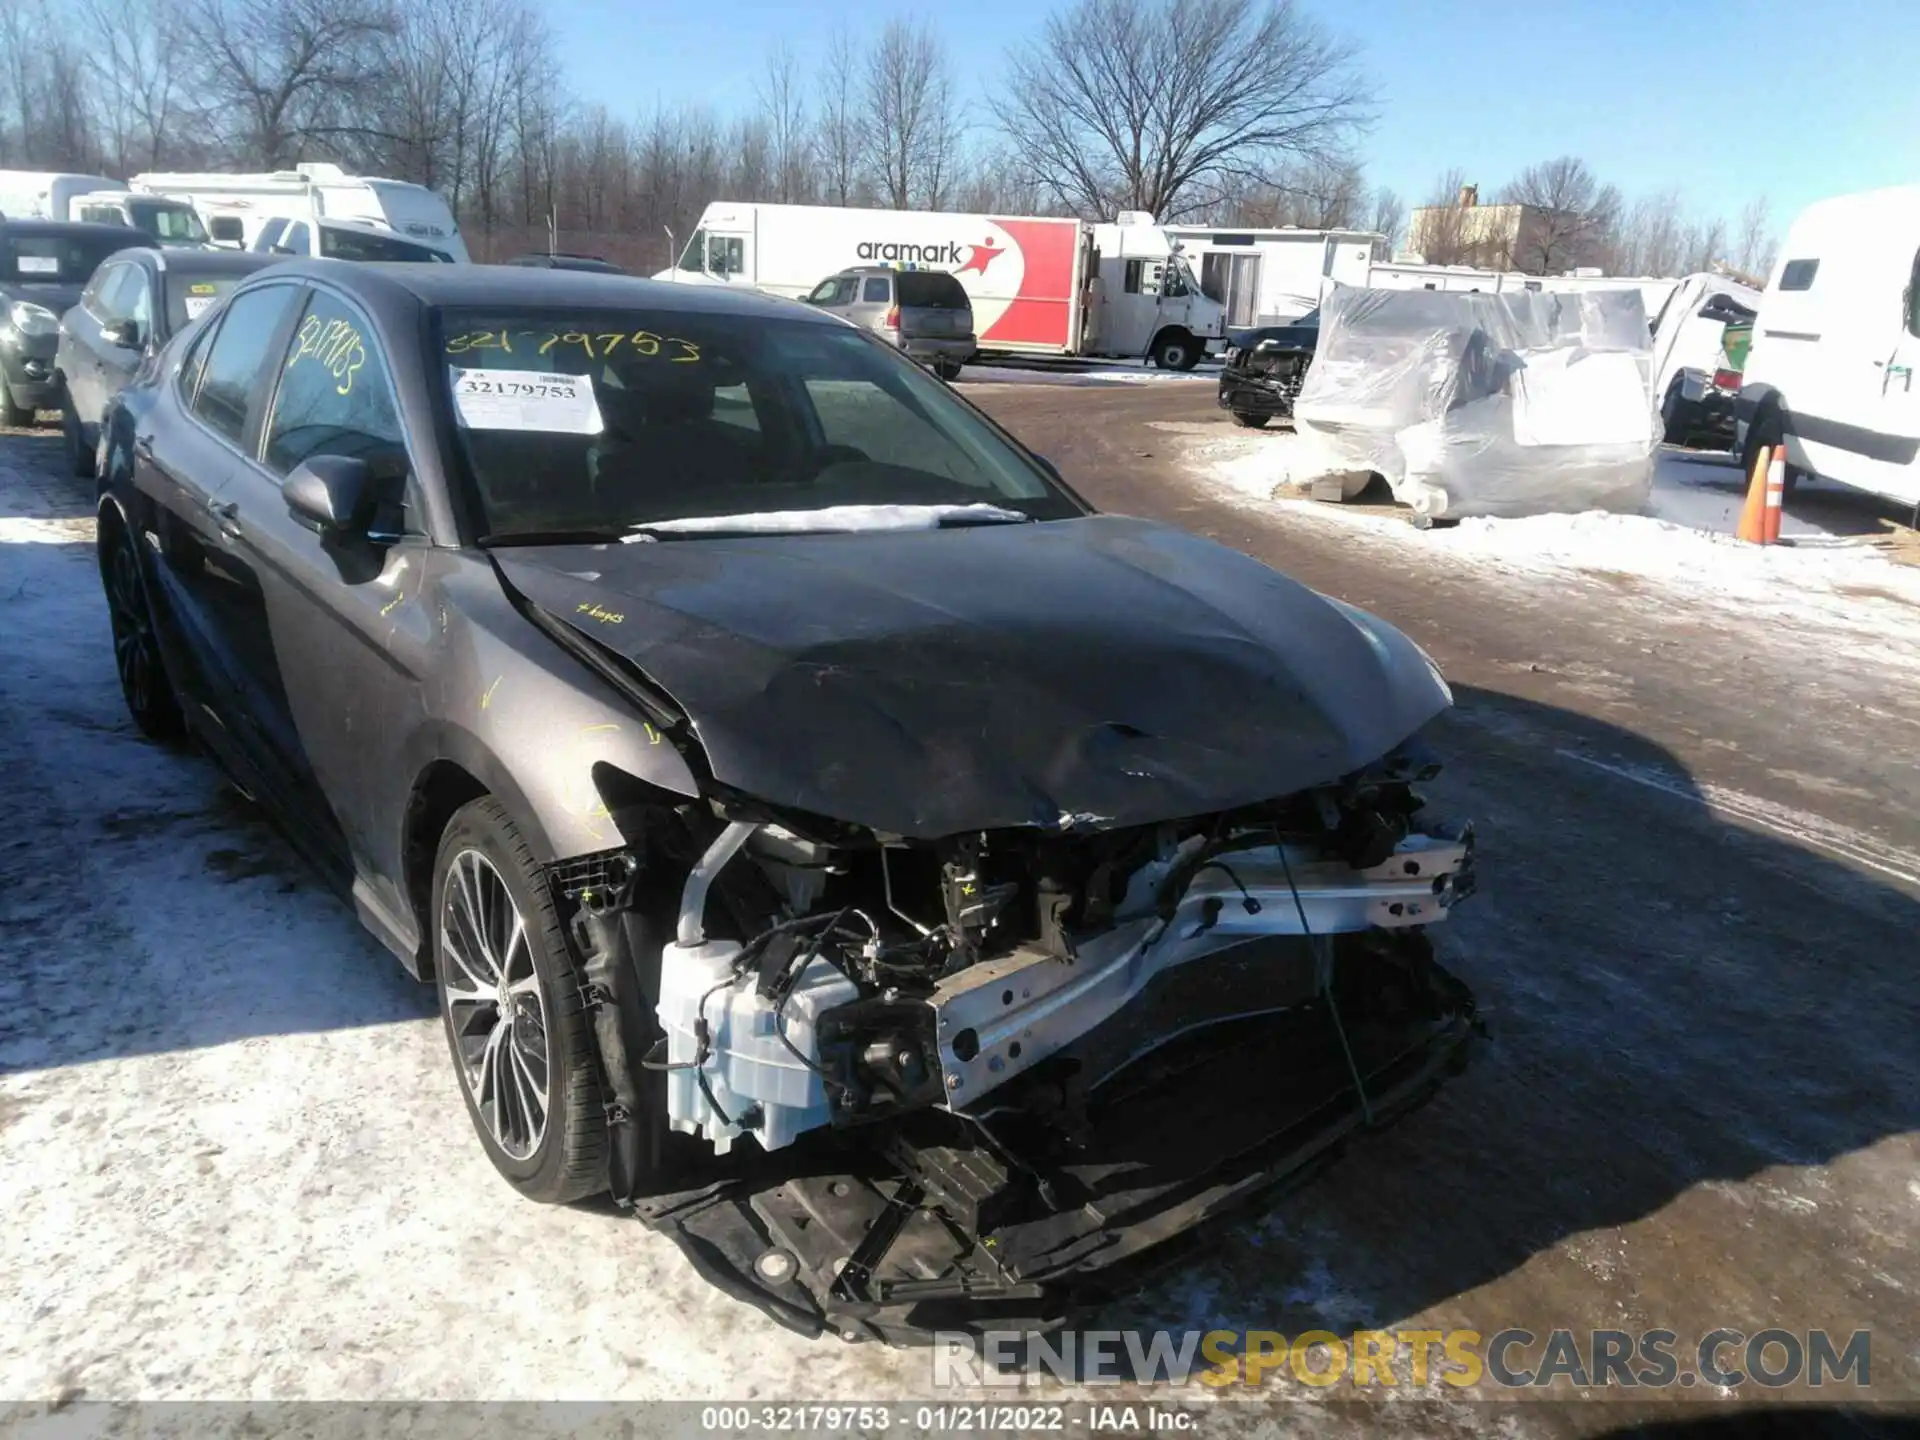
[{"x": 233, "y": 1163}]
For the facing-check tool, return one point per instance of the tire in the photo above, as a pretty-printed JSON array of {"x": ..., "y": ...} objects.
[
  {"x": 1253, "y": 420},
  {"x": 1675, "y": 424},
  {"x": 80, "y": 460},
  {"x": 948, "y": 370},
  {"x": 1175, "y": 350},
  {"x": 144, "y": 683},
  {"x": 1767, "y": 431},
  {"x": 493, "y": 915},
  {"x": 11, "y": 415}
]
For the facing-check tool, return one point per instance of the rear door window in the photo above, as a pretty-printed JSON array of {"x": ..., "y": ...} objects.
[
  {"x": 239, "y": 357},
  {"x": 297, "y": 240},
  {"x": 933, "y": 289},
  {"x": 269, "y": 235},
  {"x": 876, "y": 291}
]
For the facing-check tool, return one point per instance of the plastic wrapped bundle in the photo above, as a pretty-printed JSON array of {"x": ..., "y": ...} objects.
[{"x": 1473, "y": 404}]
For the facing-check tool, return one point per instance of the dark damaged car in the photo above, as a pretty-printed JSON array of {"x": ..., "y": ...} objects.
[
  {"x": 920, "y": 896},
  {"x": 1265, "y": 368}
]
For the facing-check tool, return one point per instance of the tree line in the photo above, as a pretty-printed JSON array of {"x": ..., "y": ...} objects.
[{"x": 1238, "y": 112}]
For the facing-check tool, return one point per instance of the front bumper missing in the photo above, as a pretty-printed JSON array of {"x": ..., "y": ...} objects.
[{"x": 940, "y": 1221}]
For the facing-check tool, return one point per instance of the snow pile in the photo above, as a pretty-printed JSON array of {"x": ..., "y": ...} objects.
[{"x": 1834, "y": 585}]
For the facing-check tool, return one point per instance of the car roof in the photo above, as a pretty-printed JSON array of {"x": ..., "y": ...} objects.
[
  {"x": 181, "y": 261},
  {"x": 77, "y": 229},
  {"x": 464, "y": 286}
]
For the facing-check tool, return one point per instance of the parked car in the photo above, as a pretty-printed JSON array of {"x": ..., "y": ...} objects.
[
  {"x": 1830, "y": 374},
  {"x": 925, "y": 313},
  {"x": 235, "y": 207},
  {"x": 44, "y": 264},
  {"x": 563, "y": 261},
  {"x": 134, "y": 304},
  {"x": 341, "y": 240},
  {"x": 1265, "y": 368},
  {"x": 762, "y": 752}
]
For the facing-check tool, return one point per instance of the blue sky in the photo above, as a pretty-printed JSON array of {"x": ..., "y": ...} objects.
[{"x": 1725, "y": 102}]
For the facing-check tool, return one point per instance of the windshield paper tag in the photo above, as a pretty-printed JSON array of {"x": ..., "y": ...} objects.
[
  {"x": 38, "y": 264},
  {"x": 525, "y": 400},
  {"x": 198, "y": 305}
]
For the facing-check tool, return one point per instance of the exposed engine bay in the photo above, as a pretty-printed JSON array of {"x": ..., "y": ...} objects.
[{"x": 883, "y": 1084}]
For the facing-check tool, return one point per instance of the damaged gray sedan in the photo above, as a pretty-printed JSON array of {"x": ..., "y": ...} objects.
[{"x": 921, "y": 897}]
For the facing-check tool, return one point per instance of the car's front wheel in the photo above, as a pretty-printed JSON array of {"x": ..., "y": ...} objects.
[
  {"x": 136, "y": 650},
  {"x": 511, "y": 1001}
]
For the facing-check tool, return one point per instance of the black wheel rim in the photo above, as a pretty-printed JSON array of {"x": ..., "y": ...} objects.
[{"x": 133, "y": 652}]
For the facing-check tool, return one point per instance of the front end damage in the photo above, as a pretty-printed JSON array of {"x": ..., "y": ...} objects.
[{"x": 887, "y": 1085}]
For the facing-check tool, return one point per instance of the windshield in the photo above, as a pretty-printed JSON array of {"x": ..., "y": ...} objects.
[
  {"x": 360, "y": 245},
  {"x": 608, "y": 420},
  {"x": 694, "y": 257},
  {"x": 175, "y": 223},
  {"x": 191, "y": 296},
  {"x": 55, "y": 259}
]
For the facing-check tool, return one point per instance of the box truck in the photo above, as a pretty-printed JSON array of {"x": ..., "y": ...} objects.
[
  {"x": 1038, "y": 285},
  {"x": 1274, "y": 276},
  {"x": 237, "y": 208}
]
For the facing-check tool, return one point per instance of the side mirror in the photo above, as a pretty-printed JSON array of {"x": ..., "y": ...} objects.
[
  {"x": 332, "y": 495},
  {"x": 121, "y": 334}
]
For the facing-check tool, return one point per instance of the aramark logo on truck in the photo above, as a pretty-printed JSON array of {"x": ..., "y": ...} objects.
[{"x": 947, "y": 253}]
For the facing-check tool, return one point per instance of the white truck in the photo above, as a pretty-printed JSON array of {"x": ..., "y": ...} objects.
[
  {"x": 60, "y": 195},
  {"x": 1275, "y": 276},
  {"x": 1038, "y": 285},
  {"x": 1830, "y": 373},
  {"x": 239, "y": 208}
]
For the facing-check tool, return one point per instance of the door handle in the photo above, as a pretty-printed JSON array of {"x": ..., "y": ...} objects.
[
  {"x": 143, "y": 446},
  {"x": 226, "y": 516}
]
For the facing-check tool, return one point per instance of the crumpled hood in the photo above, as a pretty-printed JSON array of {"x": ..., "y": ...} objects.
[{"x": 1091, "y": 672}]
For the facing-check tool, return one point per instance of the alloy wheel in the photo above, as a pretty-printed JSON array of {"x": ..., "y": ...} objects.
[
  {"x": 494, "y": 1006},
  {"x": 133, "y": 645}
]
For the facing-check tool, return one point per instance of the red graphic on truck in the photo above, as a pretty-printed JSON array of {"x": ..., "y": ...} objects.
[
  {"x": 983, "y": 256},
  {"x": 1039, "y": 313}
]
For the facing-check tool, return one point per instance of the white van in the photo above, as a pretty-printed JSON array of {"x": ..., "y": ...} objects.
[
  {"x": 237, "y": 208},
  {"x": 46, "y": 194},
  {"x": 172, "y": 223},
  {"x": 1836, "y": 343}
]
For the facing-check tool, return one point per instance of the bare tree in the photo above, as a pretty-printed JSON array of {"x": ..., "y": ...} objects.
[
  {"x": 294, "y": 72},
  {"x": 1159, "y": 105},
  {"x": 1574, "y": 214},
  {"x": 1753, "y": 245},
  {"x": 1389, "y": 216},
  {"x": 908, "y": 114},
  {"x": 842, "y": 135},
  {"x": 783, "y": 106},
  {"x": 1445, "y": 230},
  {"x": 135, "y": 53}
]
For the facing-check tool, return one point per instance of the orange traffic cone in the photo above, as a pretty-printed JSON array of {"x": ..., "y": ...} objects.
[
  {"x": 1776, "y": 494},
  {"x": 1753, "y": 515}
]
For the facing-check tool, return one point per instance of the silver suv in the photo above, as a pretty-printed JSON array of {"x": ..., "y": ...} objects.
[{"x": 924, "y": 312}]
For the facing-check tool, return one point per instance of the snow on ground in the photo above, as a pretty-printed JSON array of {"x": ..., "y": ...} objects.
[
  {"x": 1010, "y": 371},
  {"x": 1824, "y": 584}
]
